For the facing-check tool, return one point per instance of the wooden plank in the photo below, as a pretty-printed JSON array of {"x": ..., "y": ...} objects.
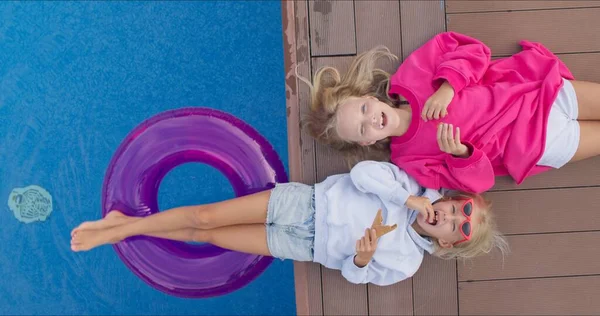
[
  {"x": 546, "y": 255},
  {"x": 307, "y": 276},
  {"x": 332, "y": 27},
  {"x": 552, "y": 296},
  {"x": 340, "y": 297},
  {"x": 420, "y": 21},
  {"x": 463, "y": 6},
  {"x": 579, "y": 64},
  {"x": 378, "y": 23},
  {"x": 303, "y": 64},
  {"x": 291, "y": 91},
  {"x": 293, "y": 132},
  {"x": 394, "y": 299},
  {"x": 304, "y": 69},
  {"x": 502, "y": 30},
  {"x": 547, "y": 211},
  {"x": 579, "y": 174},
  {"x": 434, "y": 287},
  {"x": 309, "y": 292}
]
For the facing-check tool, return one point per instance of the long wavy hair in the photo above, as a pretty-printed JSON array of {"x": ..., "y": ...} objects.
[{"x": 329, "y": 89}]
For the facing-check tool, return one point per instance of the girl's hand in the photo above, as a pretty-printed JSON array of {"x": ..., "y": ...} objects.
[
  {"x": 365, "y": 248},
  {"x": 436, "y": 106},
  {"x": 422, "y": 205},
  {"x": 449, "y": 141}
]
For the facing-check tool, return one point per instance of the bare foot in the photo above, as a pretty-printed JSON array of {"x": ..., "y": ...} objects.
[
  {"x": 112, "y": 219},
  {"x": 90, "y": 238}
]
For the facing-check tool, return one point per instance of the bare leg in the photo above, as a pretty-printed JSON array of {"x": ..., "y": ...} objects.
[
  {"x": 113, "y": 218},
  {"x": 250, "y": 238},
  {"x": 116, "y": 218},
  {"x": 250, "y": 209},
  {"x": 588, "y": 99},
  {"x": 589, "y": 142}
]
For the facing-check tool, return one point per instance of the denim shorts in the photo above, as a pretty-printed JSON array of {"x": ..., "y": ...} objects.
[{"x": 291, "y": 221}]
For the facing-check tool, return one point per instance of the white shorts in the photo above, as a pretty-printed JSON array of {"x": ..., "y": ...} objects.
[{"x": 562, "y": 131}]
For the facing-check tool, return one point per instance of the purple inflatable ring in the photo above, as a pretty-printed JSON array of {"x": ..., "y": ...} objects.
[{"x": 131, "y": 184}]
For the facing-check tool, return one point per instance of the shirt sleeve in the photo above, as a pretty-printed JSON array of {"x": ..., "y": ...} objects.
[
  {"x": 373, "y": 273},
  {"x": 464, "y": 60},
  {"x": 473, "y": 174},
  {"x": 381, "y": 178}
]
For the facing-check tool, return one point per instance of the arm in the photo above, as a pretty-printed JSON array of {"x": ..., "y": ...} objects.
[
  {"x": 464, "y": 60},
  {"x": 472, "y": 174},
  {"x": 371, "y": 273},
  {"x": 381, "y": 178},
  {"x": 475, "y": 172}
]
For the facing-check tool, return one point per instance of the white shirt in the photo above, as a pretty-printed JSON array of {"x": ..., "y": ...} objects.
[{"x": 346, "y": 204}]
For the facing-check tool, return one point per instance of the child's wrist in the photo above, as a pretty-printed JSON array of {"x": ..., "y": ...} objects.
[
  {"x": 464, "y": 154},
  {"x": 409, "y": 201},
  {"x": 447, "y": 86},
  {"x": 360, "y": 262}
]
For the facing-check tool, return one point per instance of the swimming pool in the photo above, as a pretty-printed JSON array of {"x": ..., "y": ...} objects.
[{"x": 76, "y": 78}]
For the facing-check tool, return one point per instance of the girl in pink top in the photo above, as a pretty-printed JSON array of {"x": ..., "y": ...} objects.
[{"x": 453, "y": 118}]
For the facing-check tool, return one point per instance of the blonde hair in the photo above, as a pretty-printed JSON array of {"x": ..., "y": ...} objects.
[
  {"x": 484, "y": 238},
  {"x": 330, "y": 89}
]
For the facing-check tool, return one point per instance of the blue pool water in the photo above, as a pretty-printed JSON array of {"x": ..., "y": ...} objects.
[{"x": 75, "y": 78}]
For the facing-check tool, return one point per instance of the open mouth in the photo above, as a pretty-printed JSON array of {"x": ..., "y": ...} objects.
[
  {"x": 434, "y": 221},
  {"x": 383, "y": 121}
]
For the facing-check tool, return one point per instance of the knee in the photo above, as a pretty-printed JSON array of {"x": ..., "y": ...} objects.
[{"x": 204, "y": 217}]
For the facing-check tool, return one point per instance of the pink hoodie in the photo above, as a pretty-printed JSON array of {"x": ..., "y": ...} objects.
[{"x": 501, "y": 107}]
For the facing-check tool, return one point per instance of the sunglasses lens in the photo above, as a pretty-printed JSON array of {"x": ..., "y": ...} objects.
[
  {"x": 466, "y": 228},
  {"x": 468, "y": 209}
]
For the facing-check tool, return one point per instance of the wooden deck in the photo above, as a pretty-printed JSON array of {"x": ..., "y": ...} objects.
[{"x": 552, "y": 220}]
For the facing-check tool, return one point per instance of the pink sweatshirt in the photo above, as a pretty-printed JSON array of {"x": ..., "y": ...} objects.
[{"x": 501, "y": 107}]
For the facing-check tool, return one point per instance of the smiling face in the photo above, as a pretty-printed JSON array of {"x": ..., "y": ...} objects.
[
  {"x": 365, "y": 120},
  {"x": 449, "y": 218}
]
